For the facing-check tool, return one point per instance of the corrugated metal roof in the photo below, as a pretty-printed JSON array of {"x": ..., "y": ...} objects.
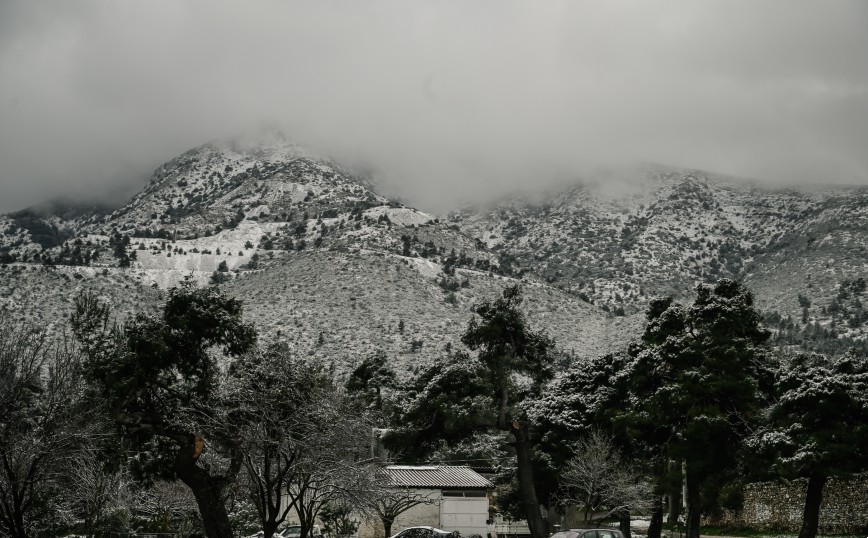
[{"x": 441, "y": 476}]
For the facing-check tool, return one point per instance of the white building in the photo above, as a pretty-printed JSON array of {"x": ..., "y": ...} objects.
[{"x": 456, "y": 500}]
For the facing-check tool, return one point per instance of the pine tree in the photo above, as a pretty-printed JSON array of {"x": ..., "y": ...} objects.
[
  {"x": 462, "y": 395},
  {"x": 818, "y": 424},
  {"x": 370, "y": 378},
  {"x": 592, "y": 396},
  {"x": 702, "y": 371},
  {"x": 508, "y": 348},
  {"x": 159, "y": 378}
]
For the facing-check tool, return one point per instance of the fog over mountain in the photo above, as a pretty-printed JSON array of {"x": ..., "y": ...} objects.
[
  {"x": 611, "y": 255},
  {"x": 445, "y": 101}
]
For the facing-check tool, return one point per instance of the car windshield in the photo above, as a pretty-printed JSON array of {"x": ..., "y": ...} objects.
[
  {"x": 416, "y": 533},
  {"x": 566, "y": 534},
  {"x": 423, "y": 532},
  {"x": 293, "y": 531}
]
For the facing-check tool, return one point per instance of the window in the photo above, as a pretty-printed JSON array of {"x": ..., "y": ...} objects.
[
  {"x": 415, "y": 532},
  {"x": 464, "y": 493}
]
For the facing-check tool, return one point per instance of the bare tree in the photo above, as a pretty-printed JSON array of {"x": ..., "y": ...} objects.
[
  {"x": 93, "y": 492},
  {"x": 394, "y": 501},
  {"x": 171, "y": 506},
  {"x": 601, "y": 483},
  {"x": 305, "y": 442},
  {"x": 270, "y": 400},
  {"x": 336, "y": 466},
  {"x": 44, "y": 419}
]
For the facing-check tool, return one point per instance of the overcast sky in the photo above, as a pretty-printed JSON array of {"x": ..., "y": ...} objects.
[{"x": 445, "y": 98}]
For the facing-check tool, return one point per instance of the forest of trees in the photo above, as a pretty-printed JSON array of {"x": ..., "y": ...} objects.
[{"x": 184, "y": 422}]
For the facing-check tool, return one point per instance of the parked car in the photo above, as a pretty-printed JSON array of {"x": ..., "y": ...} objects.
[
  {"x": 294, "y": 531},
  {"x": 588, "y": 533},
  {"x": 424, "y": 532}
]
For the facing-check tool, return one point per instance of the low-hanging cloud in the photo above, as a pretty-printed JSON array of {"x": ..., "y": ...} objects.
[{"x": 446, "y": 99}]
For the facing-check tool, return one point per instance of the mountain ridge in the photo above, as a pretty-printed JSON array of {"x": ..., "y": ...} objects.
[{"x": 266, "y": 218}]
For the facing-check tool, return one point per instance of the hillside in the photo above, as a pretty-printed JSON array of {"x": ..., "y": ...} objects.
[
  {"x": 337, "y": 269},
  {"x": 675, "y": 229}
]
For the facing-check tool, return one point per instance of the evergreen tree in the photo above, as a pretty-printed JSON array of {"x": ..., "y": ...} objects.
[
  {"x": 701, "y": 371},
  {"x": 338, "y": 520},
  {"x": 446, "y": 403},
  {"x": 449, "y": 263},
  {"x": 370, "y": 378},
  {"x": 818, "y": 425},
  {"x": 159, "y": 377},
  {"x": 509, "y": 349},
  {"x": 463, "y": 395},
  {"x": 591, "y": 397}
]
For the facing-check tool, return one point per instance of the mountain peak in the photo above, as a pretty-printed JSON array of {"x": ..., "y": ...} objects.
[
  {"x": 266, "y": 143},
  {"x": 259, "y": 172}
]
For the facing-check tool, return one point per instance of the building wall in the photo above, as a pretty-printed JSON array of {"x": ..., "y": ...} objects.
[
  {"x": 427, "y": 515},
  {"x": 467, "y": 515},
  {"x": 778, "y": 506}
]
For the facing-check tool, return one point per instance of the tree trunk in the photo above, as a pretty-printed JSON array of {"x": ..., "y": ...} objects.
[
  {"x": 209, "y": 496},
  {"x": 530, "y": 503},
  {"x": 212, "y": 509},
  {"x": 269, "y": 528},
  {"x": 655, "y": 528},
  {"x": 624, "y": 524},
  {"x": 673, "y": 496},
  {"x": 387, "y": 526},
  {"x": 674, "y": 507},
  {"x": 813, "y": 499},
  {"x": 18, "y": 529},
  {"x": 12, "y": 503},
  {"x": 693, "y": 504}
]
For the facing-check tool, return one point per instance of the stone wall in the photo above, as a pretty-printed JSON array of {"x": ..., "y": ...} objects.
[{"x": 778, "y": 506}]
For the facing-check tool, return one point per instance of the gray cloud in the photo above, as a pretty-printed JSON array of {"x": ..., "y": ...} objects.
[{"x": 447, "y": 99}]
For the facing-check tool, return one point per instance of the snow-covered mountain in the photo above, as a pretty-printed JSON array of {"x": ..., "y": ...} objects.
[
  {"x": 802, "y": 251},
  {"x": 337, "y": 269}
]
